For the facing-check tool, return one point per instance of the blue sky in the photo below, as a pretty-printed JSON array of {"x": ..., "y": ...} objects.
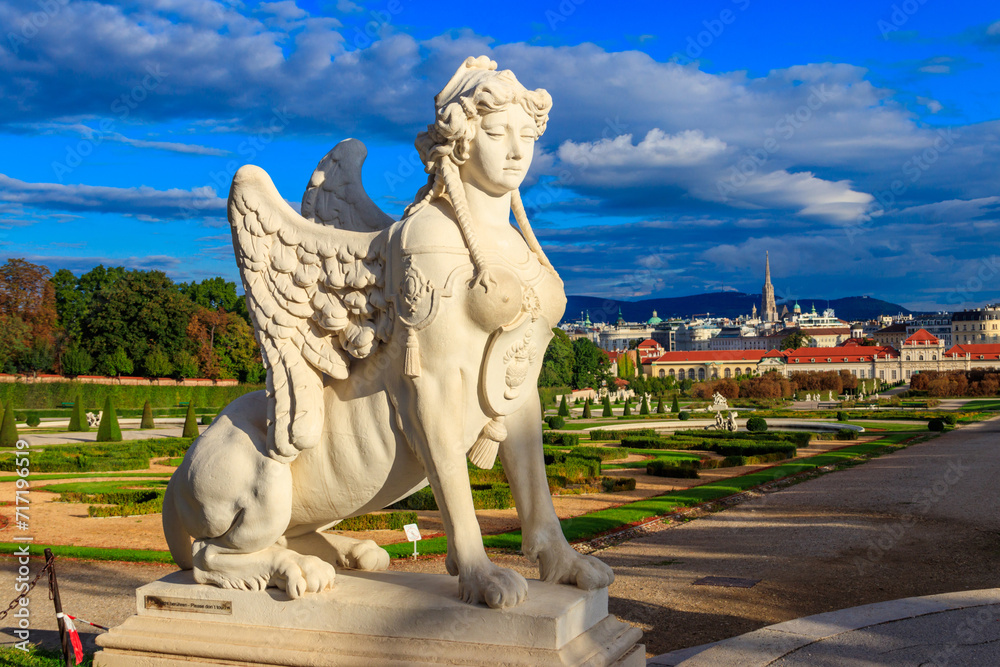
[{"x": 857, "y": 142}]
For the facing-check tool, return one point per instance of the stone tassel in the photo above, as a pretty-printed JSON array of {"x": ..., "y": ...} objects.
[
  {"x": 411, "y": 364},
  {"x": 484, "y": 453}
]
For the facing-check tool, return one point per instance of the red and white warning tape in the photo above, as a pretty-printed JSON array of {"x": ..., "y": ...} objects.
[{"x": 74, "y": 636}]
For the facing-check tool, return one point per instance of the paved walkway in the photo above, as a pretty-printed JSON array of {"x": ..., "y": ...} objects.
[
  {"x": 921, "y": 521},
  {"x": 949, "y": 629}
]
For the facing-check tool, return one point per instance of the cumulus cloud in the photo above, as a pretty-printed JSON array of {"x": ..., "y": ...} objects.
[
  {"x": 657, "y": 149},
  {"x": 136, "y": 201}
]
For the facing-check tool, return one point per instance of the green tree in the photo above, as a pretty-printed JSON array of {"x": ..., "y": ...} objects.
[
  {"x": 557, "y": 365},
  {"x": 135, "y": 311},
  {"x": 71, "y": 306},
  {"x": 590, "y": 365},
  {"x": 190, "y": 423},
  {"x": 796, "y": 340},
  {"x": 607, "y": 407},
  {"x": 147, "y": 416},
  {"x": 15, "y": 335},
  {"x": 563, "y": 408},
  {"x": 660, "y": 409},
  {"x": 109, "y": 430},
  {"x": 628, "y": 409},
  {"x": 157, "y": 363},
  {"x": 185, "y": 365},
  {"x": 586, "y": 409},
  {"x": 644, "y": 408},
  {"x": 8, "y": 428},
  {"x": 213, "y": 294},
  {"x": 115, "y": 364},
  {"x": 675, "y": 407},
  {"x": 76, "y": 361},
  {"x": 626, "y": 367},
  {"x": 78, "y": 417}
]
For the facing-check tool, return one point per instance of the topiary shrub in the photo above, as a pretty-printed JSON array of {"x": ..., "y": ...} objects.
[
  {"x": 936, "y": 424},
  {"x": 660, "y": 409},
  {"x": 33, "y": 420},
  {"x": 555, "y": 422},
  {"x": 756, "y": 424},
  {"x": 8, "y": 429},
  {"x": 950, "y": 420},
  {"x": 563, "y": 408},
  {"x": 109, "y": 430},
  {"x": 675, "y": 407},
  {"x": 78, "y": 417},
  {"x": 607, "y": 408},
  {"x": 147, "y": 416},
  {"x": 684, "y": 415},
  {"x": 190, "y": 423},
  {"x": 586, "y": 409},
  {"x": 644, "y": 408},
  {"x": 206, "y": 420},
  {"x": 21, "y": 416},
  {"x": 627, "y": 412},
  {"x": 842, "y": 416},
  {"x": 847, "y": 434}
]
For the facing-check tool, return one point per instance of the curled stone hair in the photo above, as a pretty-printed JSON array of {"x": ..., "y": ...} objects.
[{"x": 476, "y": 90}]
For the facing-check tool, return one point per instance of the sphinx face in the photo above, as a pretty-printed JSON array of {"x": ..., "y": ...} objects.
[{"x": 501, "y": 151}]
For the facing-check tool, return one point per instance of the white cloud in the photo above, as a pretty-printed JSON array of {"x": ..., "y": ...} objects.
[{"x": 657, "y": 149}]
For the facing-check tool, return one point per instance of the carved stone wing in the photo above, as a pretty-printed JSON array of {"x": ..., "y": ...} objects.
[
  {"x": 315, "y": 295},
  {"x": 335, "y": 195}
]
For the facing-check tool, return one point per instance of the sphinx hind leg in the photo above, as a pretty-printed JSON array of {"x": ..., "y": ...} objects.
[
  {"x": 542, "y": 538},
  {"x": 340, "y": 550}
]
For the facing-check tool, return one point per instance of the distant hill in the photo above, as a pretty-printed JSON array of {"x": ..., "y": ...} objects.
[{"x": 720, "y": 304}]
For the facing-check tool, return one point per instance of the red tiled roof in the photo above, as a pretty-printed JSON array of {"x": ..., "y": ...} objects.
[
  {"x": 838, "y": 355},
  {"x": 649, "y": 342},
  {"x": 985, "y": 350},
  {"x": 922, "y": 337},
  {"x": 775, "y": 354},
  {"x": 701, "y": 356}
]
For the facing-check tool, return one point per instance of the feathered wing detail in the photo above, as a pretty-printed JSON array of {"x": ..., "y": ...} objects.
[
  {"x": 335, "y": 195},
  {"x": 315, "y": 295}
]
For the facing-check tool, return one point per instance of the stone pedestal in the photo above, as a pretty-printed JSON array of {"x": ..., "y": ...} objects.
[{"x": 384, "y": 618}]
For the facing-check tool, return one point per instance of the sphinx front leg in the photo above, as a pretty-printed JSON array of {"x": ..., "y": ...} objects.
[
  {"x": 542, "y": 538},
  {"x": 433, "y": 425}
]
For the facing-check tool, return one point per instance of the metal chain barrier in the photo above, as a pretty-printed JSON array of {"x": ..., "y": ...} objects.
[{"x": 17, "y": 600}]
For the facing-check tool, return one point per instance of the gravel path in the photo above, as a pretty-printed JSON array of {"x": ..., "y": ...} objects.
[{"x": 920, "y": 521}]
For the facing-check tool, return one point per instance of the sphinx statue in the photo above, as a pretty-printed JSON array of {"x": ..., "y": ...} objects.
[{"x": 394, "y": 351}]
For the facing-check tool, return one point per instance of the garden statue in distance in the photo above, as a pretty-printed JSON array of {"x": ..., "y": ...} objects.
[{"x": 394, "y": 350}]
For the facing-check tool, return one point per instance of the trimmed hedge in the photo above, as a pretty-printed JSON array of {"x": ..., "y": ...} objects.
[
  {"x": 100, "y": 457},
  {"x": 684, "y": 415},
  {"x": 756, "y": 424},
  {"x": 611, "y": 484},
  {"x": 484, "y": 497},
  {"x": 756, "y": 459},
  {"x": 381, "y": 521},
  {"x": 935, "y": 424},
  {"x": 663, "y": 468},
  {"x": 846, "y": 434},
  {"x": 51, "y": 394},
  {"x": 618, "y": 434},
  {"x": 561, "y": 439},
  {"x": 556, "y": 422},
  {"x": 752, "y": 448},
  {"x": 603, "y": 453}
]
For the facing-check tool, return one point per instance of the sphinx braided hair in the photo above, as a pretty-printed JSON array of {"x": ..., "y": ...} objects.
[{"x": 444, "y": 147}]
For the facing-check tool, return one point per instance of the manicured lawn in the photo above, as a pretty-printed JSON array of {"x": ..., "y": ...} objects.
[
  {"x": 65, "y": 475},
  {"x": 36, "y": 657},
  {"x": 94, "y": 553},
  {"x": 982, "y": 404},
  {"x": 93, "y": 488}
]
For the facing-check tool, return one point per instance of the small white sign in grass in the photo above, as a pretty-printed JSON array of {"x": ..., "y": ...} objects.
[{"x": 413, "y": 535}]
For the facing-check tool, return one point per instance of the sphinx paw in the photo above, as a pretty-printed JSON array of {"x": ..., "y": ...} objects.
[{"x": 497, "y": 587}]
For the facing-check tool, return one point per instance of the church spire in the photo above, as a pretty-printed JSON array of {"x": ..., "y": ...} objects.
[{"x": 767, "y": 305}]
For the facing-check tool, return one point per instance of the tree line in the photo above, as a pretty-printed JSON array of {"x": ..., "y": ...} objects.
[{"x": 117, "y": 321}]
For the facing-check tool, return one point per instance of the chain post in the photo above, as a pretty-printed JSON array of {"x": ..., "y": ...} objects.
[{"x": 54, "y": 592}]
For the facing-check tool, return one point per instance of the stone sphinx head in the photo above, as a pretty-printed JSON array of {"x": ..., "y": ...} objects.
[{"x": 485, "y": 127}]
